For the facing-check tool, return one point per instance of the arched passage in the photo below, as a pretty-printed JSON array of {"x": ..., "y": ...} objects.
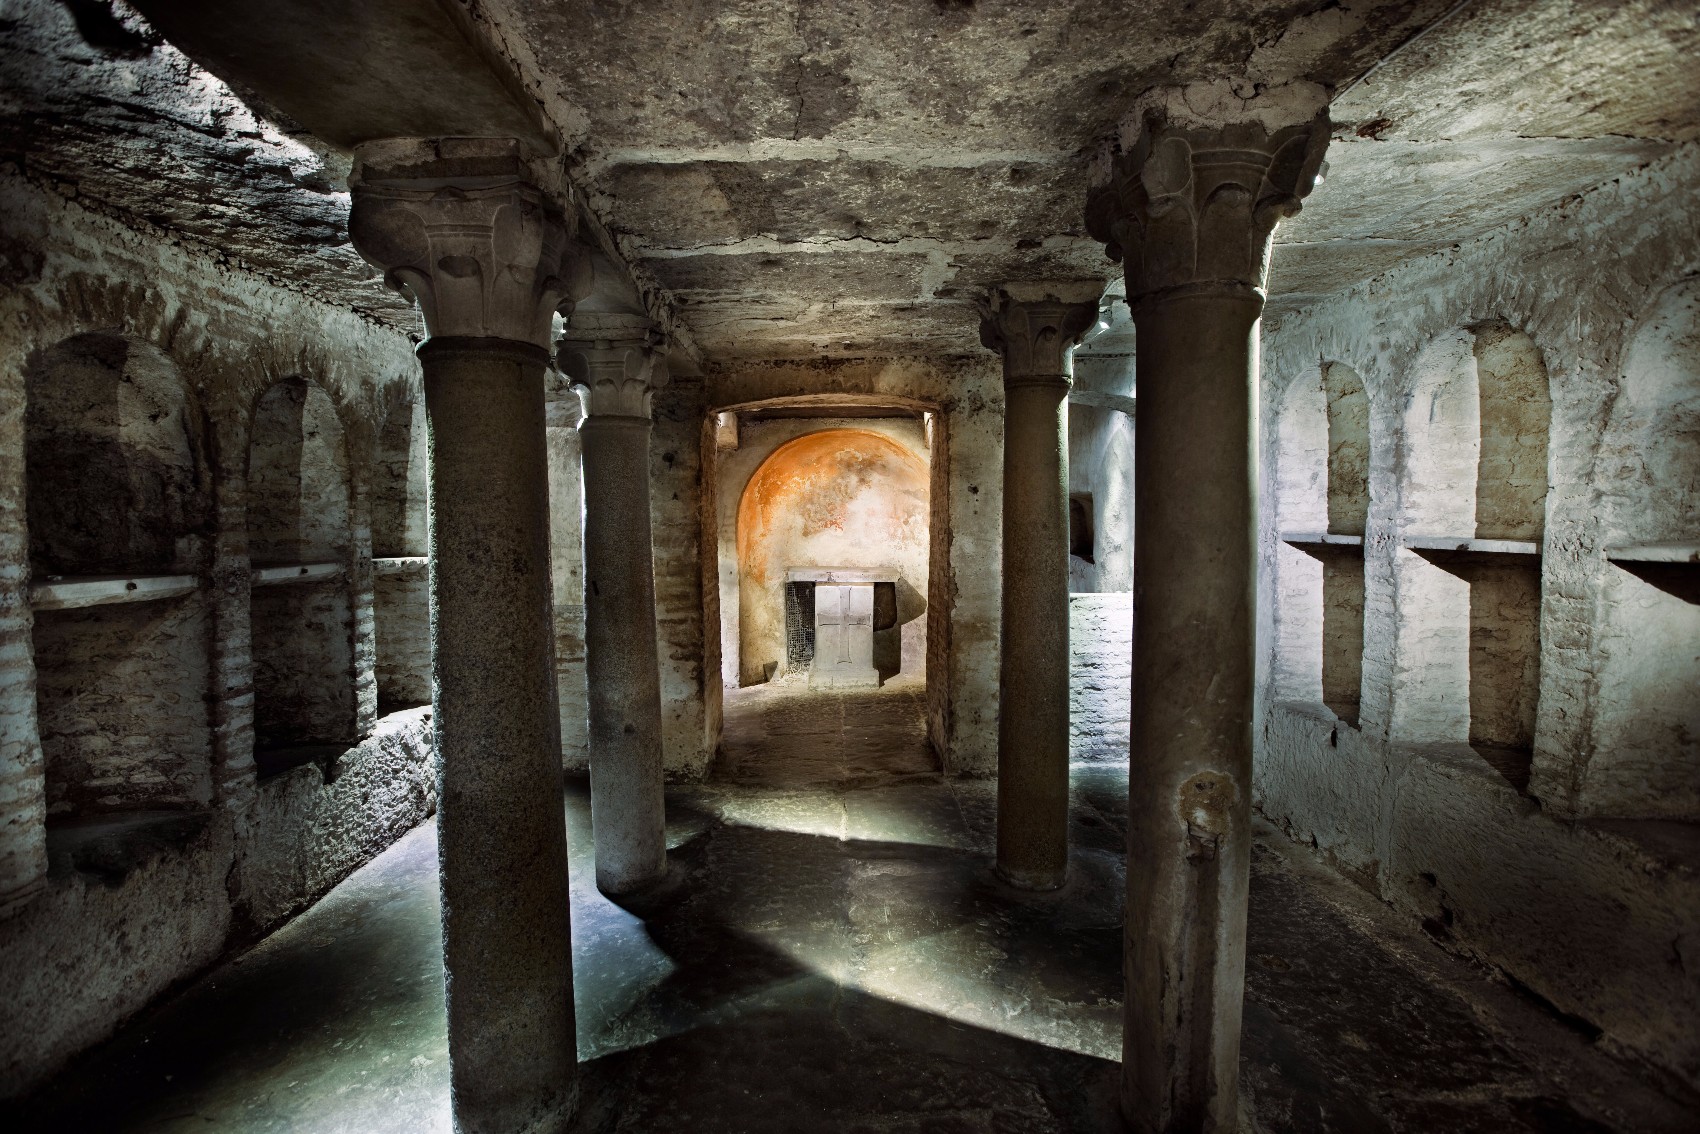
[{"x": 852, "y": 498}]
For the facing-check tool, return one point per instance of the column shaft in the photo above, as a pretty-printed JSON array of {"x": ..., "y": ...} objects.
[
  {"x": 1195, "y": 509},
  {"x": 1033, "y": 655},
  {"x": 626, "y": 798},
  {"x": 507, "y": 944}
]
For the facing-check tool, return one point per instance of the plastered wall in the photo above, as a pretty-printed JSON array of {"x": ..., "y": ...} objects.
[
  {"x": 1497, "y": 376},
  {"x": 820, "y": 492}
]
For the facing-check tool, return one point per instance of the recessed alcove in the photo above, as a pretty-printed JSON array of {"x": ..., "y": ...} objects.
[
  {"x": 1474, "y": 499},
  {"x": 1646, "y": 754},
  {"x": 1322, "y": 510},
  {"x": 299, "y": 538},
  {"x": 118, "y": 512},
  {"x": 401, "y": 567}
]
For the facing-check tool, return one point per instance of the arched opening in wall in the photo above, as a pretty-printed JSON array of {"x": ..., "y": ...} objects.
[
  {"x": 1322, "y": 501},
  {"x": 300, "y": 606},
  {"x": 119, "y": 513},
  {"x": 401, "y": 604},
  {"x": 841, "y": 511},
  {"x": 1475, "y": 506},
  {"x": 1645, "y": 760}
]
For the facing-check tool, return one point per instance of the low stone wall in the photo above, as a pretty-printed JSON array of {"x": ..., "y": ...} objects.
[
  {"x": 308, "y": 830},
  {"x": 1100, "y": 680},
  {"x": 135, "y": 905},
  {"x": 1589, "y": 916}
]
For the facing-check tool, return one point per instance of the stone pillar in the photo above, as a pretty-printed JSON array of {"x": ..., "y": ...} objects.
[
  {"x": 1189, "y": 207},
  {"x": 1033, "y": 326},
  {"x": 615, "y": 360},
  {"x": 458, "y": 225}
]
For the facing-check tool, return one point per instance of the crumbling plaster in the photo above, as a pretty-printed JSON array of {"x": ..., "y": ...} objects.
[
  {"x": 172, "y": 903},
  {"x": 1526, "y": 883}
]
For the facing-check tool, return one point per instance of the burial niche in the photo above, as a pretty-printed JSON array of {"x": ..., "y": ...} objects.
[
  {"x": 1323, "y": 498},
  {"x": 299, "y": 540},
  {"x": 1475, "y": 502},
  {"x": 119, "y": 512},
  {"x": 1646, "y": 753},
  {"x": 400, "y": 563}
]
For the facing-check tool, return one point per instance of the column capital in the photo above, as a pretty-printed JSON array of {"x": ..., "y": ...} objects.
[
  {"x": 1033, "y": 325},
  {"x": 616, "y": 360},
  {"x": 1189, "y": 197},
  {"x": 458, "y": 225}
]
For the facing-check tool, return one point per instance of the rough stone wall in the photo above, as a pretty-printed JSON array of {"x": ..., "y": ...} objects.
[
  {"x": 122, "y": 707},
  {"x": 966, "y": 399},
  {"x": 401, "y": 616},
  {"x": 566, "y": 552},
  {"x": 1587, "y": 914},
  {"x": 1100, "y": 678},
  {"x": 99, "y": 916},
  {"x": 690, "y": 680},
  {"x": 313, "y": 826}
]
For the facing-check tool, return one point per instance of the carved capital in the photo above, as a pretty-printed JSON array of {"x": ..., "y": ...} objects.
[
  {"x": 457, "y": 225},
  {"x": 617, "y": 361},
  {"x": 1192, "y": 205},
  {"x": 1034, "y": 325}
]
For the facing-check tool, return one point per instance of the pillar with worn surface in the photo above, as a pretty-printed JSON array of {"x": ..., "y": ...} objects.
[
  {"x": 1190, "y": 208},
  {"x": 1033, "y": 326},
  {"x": 615, "y": 361},
  {"x": 456, "y": 223}
]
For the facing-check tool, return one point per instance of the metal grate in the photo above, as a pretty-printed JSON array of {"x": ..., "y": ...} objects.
[{"x": 799, "y": 626}]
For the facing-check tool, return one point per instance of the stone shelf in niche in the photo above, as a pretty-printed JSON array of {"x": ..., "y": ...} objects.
[
  {"x": 399, "y": 564},
  {"x": 294, "y": 573},
  {"x": 1469, "y": 545},
  {"x": 1321, "y": 539},
  {"x": 1687, "y": 553},
  {"x": 71, "y": 592}
]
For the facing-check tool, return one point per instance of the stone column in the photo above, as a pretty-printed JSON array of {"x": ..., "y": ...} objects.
[
  {"x": 1189, "y": 207},
  {"x": 615, "y": 360},
  {"x": 457, "y": 224},
  {"x": 1033, "y": 326}
]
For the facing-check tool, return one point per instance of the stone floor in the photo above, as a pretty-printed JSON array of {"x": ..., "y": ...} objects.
[{"x": 832, "y": 953}]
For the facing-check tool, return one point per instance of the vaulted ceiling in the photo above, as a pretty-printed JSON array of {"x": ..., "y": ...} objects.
[{"x": 801, "y": 178}]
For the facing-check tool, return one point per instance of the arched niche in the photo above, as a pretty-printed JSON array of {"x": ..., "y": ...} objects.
[
  {"x": 1473, "y": 507},
  {"x": 1646, "y": 752},
  {"x": 400, "y": 545},
  {"x": 119, "y": 509},
  {"x": 400, "y": 485},
  {"x": 299, "y": 539},
  {"x": 1515, "y": 421},
  {"x": 1322, "y": 503},
  {"x": 835, "y": 498}
]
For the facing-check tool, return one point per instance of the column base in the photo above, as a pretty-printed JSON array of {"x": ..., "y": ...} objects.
[{"x": 1035, "y": 880}]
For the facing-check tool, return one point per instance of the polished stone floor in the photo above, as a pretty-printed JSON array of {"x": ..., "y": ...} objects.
[{"x": 832, "y": 953}]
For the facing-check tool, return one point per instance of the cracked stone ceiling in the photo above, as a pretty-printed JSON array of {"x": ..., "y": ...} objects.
[{"x": 805, "y": 178}]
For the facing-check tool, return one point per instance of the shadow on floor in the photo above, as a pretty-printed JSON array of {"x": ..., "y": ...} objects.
[{"x": 831, "y": 952}]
